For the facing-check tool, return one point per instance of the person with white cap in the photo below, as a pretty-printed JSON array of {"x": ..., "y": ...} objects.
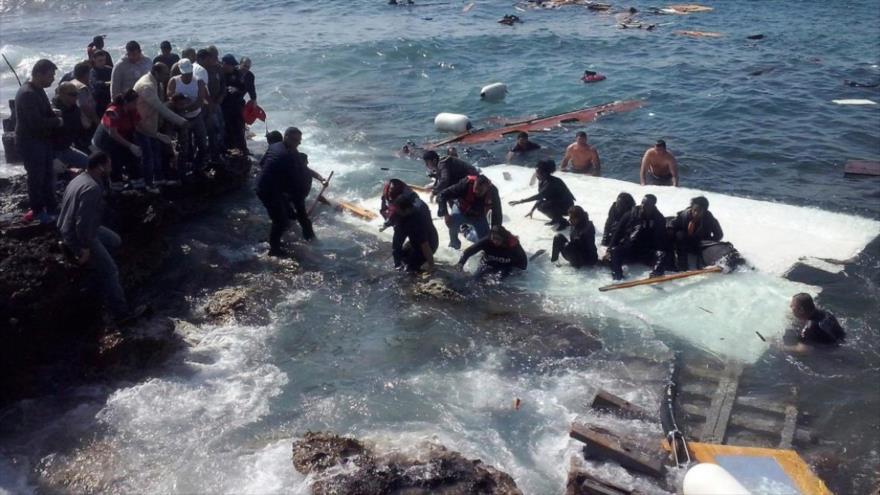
[{"x": 196, "y": 93}]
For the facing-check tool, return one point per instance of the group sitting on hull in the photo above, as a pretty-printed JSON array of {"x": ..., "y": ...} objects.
[{"x": 640, "y": 236}]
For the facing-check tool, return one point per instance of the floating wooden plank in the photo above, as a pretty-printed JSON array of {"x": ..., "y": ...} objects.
[
  {"x": 862, "y": 167},
  {"x": 604, "y": 445},
  {"x": 660, "y": 280},
  {"x": 688, "y": 8},
  {"x": 721, "y": 406},
  {"x": 761, "y": 404},
  {"x": 580, "y": 482},
  {"x": 790, "y": 462},
  {"x": 357, "y": 210},
  {"x": 789, "y": 426},
  {"x": 698, "y": 34},
  {"x": 606, "y": 401},
  {"x": 583, "y": 115}
]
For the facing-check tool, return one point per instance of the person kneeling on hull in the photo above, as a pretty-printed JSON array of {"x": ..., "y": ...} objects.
[
  {"x": 474, "y": 196},
  {"x": 692, "y": 227},
  {"x": 415, "y": 239},
  {"x": 581, "y": 250},
  {"x": 553, "y": 198},
  {"x": 820, "y": 326},
  {"x": 502, "y": 252},
  {"x": 640, "y": 235},
  {"x": 285, "y": 181}
]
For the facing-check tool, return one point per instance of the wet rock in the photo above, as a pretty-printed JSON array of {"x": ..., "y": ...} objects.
[
  {"x": 345, "y": 465},
  {"x": 437, "y": 288},
  {"x": 226, "y": 303}
]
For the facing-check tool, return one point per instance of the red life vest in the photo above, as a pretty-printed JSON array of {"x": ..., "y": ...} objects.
[{"x": 467, "y": 202}]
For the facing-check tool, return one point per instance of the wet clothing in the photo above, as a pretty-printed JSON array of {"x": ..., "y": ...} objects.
[
  {"x": 497, "y": 259},
  {"x": 529, "y": 146},
  {"x": 232, "y": 107},
  {"x": 822, "y": 328},
  {"x": 285, "y": 181},
  {"x": 581, "y": 250},
  {"x": 615, "y": 213},
  {"x": 34, "y": 124},
  {"x": 554, "y": 199},
  {"x": 470, "y": 209},
  {"x": 250, "y": 85},
  {"x": 450, "y": 171},
  {"x": 121, "y": 157},
  {"x": 690, "y": 233},
  {"x": 169, "y": 60},
  {"x": 639, "y": 238},
  {"x": 412, "y": 229},
  {"x": 99, "y": 81},
  {"x": 126, "y": 73},
  {"x": 72, "y": 131},
  {"x": 653, "y": 180}
]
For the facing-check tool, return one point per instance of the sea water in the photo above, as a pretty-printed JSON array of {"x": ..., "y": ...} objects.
[{"x": 751, "y": 119}]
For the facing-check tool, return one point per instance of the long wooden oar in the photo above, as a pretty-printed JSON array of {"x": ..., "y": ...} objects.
[
  {"x": 421, "y": 189},
  {"x": 317, "y": 198},
  {"x": 660, "y": 280}
]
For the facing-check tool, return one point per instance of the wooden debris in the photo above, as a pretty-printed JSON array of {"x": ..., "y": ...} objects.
[
  {"x": 698, "y": 34},
  {"x": 580, "y": 482},
  {"x": 718, "y": 414},
  {"x": 601, "y": 444},
  {"x": 605, "y": 401},
  {"x": 862, "y": 167}
]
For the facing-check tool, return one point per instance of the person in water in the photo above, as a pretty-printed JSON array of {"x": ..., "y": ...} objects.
[
  {"x": 640, "y": 236},
  {"x": 581, "y": 250},
  {"x": 502, "y": 253},
  {"x": 284, "y": 180},
  {"x": 659, "y": 167},
  {"x": 820, "y": 327},
  {"x": 415, "y": 239},
  {"x": 692, "y": 227},
  {"x": 620, "y": 207},
  {"x": 446, "y": 171},
  {"x": 474, "y": 197},
  {"x": 583, "y": 158},
  {"x": 522, "y": 146},
  {"x": 553, "y": 198}
]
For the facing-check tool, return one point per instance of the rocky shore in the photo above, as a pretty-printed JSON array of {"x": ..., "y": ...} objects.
[{"x": 50, "y": 321}]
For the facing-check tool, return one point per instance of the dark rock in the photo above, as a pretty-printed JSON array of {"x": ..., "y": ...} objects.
[{"x": 345, "y": 465}]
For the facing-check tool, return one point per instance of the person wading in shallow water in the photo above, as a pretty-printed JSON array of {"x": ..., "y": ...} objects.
[
  {"x": 820, "y": 327},
  {"x": 415, "y": 238},
  {"x": 285, "y": 181},
  {"x": 659, "y": 167}
]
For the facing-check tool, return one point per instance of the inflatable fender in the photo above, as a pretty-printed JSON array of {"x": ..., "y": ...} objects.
[
  {"x": 711, "y": 479},
  {"x": 452, "y": 122},
  {"x": 493, "y": 92}
]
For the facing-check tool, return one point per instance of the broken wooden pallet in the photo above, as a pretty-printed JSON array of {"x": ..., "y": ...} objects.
[{"x": 603, "y": 444}]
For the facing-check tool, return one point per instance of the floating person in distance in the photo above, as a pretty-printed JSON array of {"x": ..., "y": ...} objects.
[{"x": 522, "y": 146}]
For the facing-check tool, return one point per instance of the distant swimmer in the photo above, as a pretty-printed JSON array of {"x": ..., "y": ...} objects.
[
  {"x": 621, "y": 206},
  {"x": 509, "y": 20},
  {"x": 474, "y": 196},
  {"x": 446, "y": 171},
  {"x": 640, "y": 236},
  {"x": 692, "y": 227},
  {"x": 659, "y": 167},
  {"x": 415, "y": 239},
  {"x": 522, "y": 146},
  {"x": 553, "y": 198},
  {"x": 581, "y": 249},
  {"x": 583, "y": 158},
  {"x": 820, "y": 327},
  {"x": 502, "y": 254}
]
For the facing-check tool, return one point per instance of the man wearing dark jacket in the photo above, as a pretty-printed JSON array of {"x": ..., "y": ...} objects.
[
  {"x": 474, "y": 197},
  {"x": 415, "y": 239},
  {"x": 446, "y": 171},
  {"x": 640, "y": 235},
  {"x": 581, "y": 250},
  {"x": 35, "y": 121},
  {"x": 692, "y": 227},
  {"x": 285, "y": 180},
  {"x": 502, "y": 252},
  {"x": 553, "y": 198}
]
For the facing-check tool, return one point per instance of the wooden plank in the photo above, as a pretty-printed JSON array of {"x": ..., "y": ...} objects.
[
  {"x": 721, "y": 406},
  {"x": 761, "y": 404},
  {"x": 698, "y": 388},
  {"x": 862, "y": 167},
  {"x": 791, "y": 463},
  {"x": 581, "y": 482},
  {"x": 606, "y": 401},
  {"x": 704, "y": 373},
  {"x": 660, "y": 280},
  {"x": 789, "y": 426},
  {"x": 606, "y": 446},
  {"x": 357, "y": 210}
]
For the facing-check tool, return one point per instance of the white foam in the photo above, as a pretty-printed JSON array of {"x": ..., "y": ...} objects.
[{"x": 720, "y": 313}]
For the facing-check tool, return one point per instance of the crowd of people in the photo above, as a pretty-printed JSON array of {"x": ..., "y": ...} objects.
[{"x": 137, "y": 124}]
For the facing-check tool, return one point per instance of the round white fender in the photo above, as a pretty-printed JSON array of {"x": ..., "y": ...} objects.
[
  {"x": 494, "y": 92},
  {"x": 711, "y": 479},
  {"x": 452, "y": 122}
]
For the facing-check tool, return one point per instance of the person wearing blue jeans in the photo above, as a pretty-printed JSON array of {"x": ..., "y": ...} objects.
[
  {"x": 151, "y": 158},
  {"x": 474, "y": 197}
]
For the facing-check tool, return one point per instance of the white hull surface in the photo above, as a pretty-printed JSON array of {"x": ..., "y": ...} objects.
[{"x": 717, "y": 312}]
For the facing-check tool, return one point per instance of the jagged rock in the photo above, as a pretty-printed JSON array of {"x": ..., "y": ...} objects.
[
  {"x": 437, "y": 288},
  {"x": 345, "y": 465},
  {"x": 226, "y": 303}
]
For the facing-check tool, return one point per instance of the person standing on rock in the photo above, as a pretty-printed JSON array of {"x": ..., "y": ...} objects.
[
  {"x": 285, "y": 181},
  {"x": 90, "y": 243},
  {"x": 35, "y": 124}
]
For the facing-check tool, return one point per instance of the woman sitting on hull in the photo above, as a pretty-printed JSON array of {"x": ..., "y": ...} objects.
[
  {"x": 581, "y": 249},
  {"x": 502, "y": 253}
]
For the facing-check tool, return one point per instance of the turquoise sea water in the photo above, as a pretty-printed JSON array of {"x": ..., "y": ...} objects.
[{"x": 361, "y": 78}]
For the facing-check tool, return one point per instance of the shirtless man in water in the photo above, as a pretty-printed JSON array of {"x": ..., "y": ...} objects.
[
  {"x": 659, "y": 167},
  {"x": 584, "y": 159}
]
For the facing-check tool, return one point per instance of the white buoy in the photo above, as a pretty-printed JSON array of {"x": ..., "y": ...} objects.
[
  {"x": 711, "y": 479},
  {"x": 494, "y": 92},
  {"x": 452, "y": 122}
]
